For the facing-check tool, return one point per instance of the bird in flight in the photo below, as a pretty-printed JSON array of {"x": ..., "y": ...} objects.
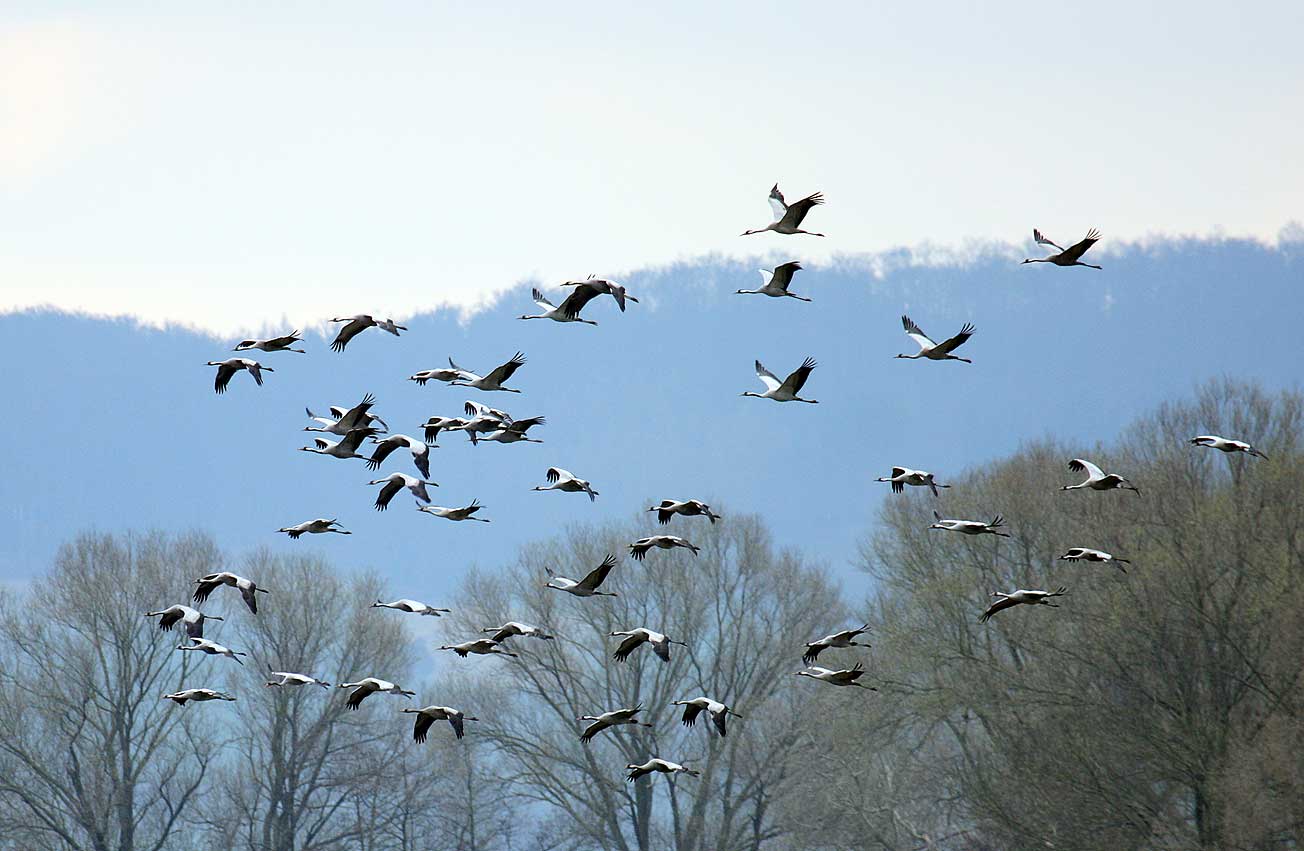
[
  {"x": 788, "y": 217},
  {"x": 1014, "y": 598},
  {"x": 776, "y": 282},
  {"x": 275, "y": 344},
  {"x": 229, "y": 367},
  {"x": 786, "y": 390},
  {"x": 1070, "y": 256},
  {"x": 935, "y": 351}
]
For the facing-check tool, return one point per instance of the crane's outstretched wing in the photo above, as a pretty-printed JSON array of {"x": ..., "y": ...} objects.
[
  {"x": 1075, "y": 251},
  {"x": 955, "y": 342},
  {"x": 1041, "y": 239},
  {"x": 777, "y": 203},
  {"x": 627, "y": 647},
  {"x": 998, "y": 606},
  {"x": 917, "y": 334},
  {"x": 599, "y": 574},
  {"x": 504, "y": 372},
  {"x": 574, "y": 303},
  {"x": 224, "y": 373},
  {"x": 383, "y": 450},
  {"x": 797, "y": 379},
  {"x": 1081, "y": 465},
  {"x": 796, "y": 212},
  {"x": 783, "y": 273},
  {"x": 349, "y": 331},
  {"x": 769, "y": 379}
]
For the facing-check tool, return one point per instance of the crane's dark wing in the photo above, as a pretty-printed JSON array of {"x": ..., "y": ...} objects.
[
  {"x": 359, "y": 694},
  {"x": 592, "y": 730},
  {"x": 958, "y": 340},
  {"x": 387, "y": 493},
  {"x": 383, "y": 450},
  {"x": 354, "y": 438},
  {"x": 204, "y": 588},
  {"x": 813, "y": 651},
  {"x": 627, "y": 647},
  {"x": 504, "y": 372},
  {"x": 797, "y": 379},
  {"x": 691, "y": 711},
  {"x": 574, "y": 303},
  {"x": 1075, "y": 251},
  {"x": 456, "y": 722},
  {"x": 783, "y": 274},
  {"x": 421, "y": 727},
  {"x": 599, "y": 574},
  {"x": 348, "y": 332},
  {"x": 999, "y": 605},
  {"x": 224, "y": 373},
  {"x": 798, "y": 210}
]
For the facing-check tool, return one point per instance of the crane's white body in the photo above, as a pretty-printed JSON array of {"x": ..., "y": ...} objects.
[
  {"x": 494, "y": 380},
  {"x": 634, "y": 638},
  {"x": 717, "y": 711},
  {"x": 387, "y": 445},
  {"x": 428, "y": 715},
  {"x": 639, "y": 549},
  {"x": 191, "y": 620},
  {"x": 212, "y": 648},
  {"x": 1023, "y": 596},
  {"x": 1226, "y": 444},
  {"x": 563, "y": 480},
  {"x": 395, "y": 482},
  {"x": 342, "y": 420},
  {"x": 320, "y": 526},
  {"x": 274, "y": 344},
  {"x": 412, "y": 607},
  {"x": 970, "y": 527},
  {"x": 248, "y": 589},
  {"x": 775, "y": 282},
  {"x": 668, "y": 508},
  {"x": 1095, "y": 556},
  {"x": 588, "y": 586},
  {"x": 844, "y": 677},
  {"x": 198, "y": 695},
  {"x": 345, "y": 448},
  {"x": 902, "y": 476},
  {"x": 567, "y": 311},
  {"x": 466, "y": 512},
  {"x": 786, "y": 390},
  {"x": 478, "y": 647},
  {"x": 659, "y": 765},
  {"x": 1097, "y": 479},
  {"x": 788, "y": 217},
  {"x": 614, "y": 718},
  {"x": 292, "y": 679},
  {"x": 368, "y": 686},
  {"x": 602, "y": 286},
  {"x": 845, "y": 638},
  {"x": 229, "y": 367},
  {"x": 515, "y": 628},
  {"x": 935, "y": 351}
]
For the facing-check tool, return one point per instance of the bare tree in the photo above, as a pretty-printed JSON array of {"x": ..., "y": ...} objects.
[
  {"x": 92, "y": 758},
  {"x": 301, "y": 761},
  {"x": 1122, "y": 718},
  {"x": 744, "y": 611}
]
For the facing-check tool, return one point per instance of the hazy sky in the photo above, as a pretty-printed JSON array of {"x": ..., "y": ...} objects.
[{"x": 283, "y": 163}]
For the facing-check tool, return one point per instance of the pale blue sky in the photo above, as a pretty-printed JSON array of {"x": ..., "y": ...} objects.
[{"x": 231, "y": 166}]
